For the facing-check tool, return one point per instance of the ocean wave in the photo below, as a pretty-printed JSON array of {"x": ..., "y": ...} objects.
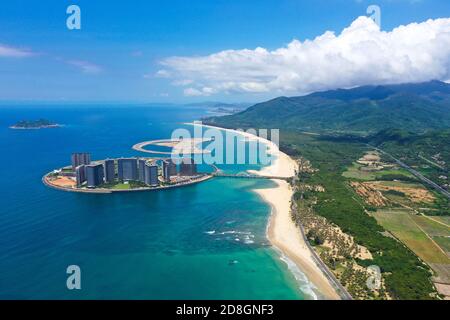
[
  {"x": 235, "y": 232},
  {"x": 245, "y": 237},
  {"x": 305, "y": 285},
  {"x": 248, "y": 239}
]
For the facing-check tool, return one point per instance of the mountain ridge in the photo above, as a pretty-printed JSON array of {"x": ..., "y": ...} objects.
[{"x": 417, "y": 107}]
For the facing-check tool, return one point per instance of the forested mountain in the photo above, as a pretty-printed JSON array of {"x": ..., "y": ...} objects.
[{"x": 363, "y": 110}]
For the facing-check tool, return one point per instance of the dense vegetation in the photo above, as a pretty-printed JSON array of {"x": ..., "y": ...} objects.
[
  {"x": 406, "y": 276},
  {"x": 363, "y": 110},
  {"x": 393, "y": 177}
]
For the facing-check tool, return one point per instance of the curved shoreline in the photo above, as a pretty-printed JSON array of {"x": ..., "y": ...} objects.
[
  {"x": 287, "y": 237},
  {"x": 282, "y": 232},
  {"x": 178, "y": 148}
]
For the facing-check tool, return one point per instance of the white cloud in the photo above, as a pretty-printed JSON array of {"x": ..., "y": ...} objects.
[
  {"x": 192, "y": 92},
  {"x": 10, "y": 52},
  {"x": 163, "y": 74},
  {"x": 85, "y": 66},
  {"x": 361, "y": 54},
  {"x": 183, "y": 82}
]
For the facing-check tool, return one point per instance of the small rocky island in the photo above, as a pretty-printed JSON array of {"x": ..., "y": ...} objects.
[{"x": 35, "y": 124}]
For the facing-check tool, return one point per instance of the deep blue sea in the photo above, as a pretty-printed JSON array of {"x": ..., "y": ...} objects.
[{"x": 205, "y": 241}]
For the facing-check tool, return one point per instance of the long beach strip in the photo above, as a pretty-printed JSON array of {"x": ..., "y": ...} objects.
[{"x": 282, "y": 231}]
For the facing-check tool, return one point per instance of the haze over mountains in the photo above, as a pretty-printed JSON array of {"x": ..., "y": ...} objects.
[{"x": 415, "y": 107}]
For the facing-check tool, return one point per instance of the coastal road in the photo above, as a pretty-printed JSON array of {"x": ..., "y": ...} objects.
[
  {"x": 340, "y": 289},
  {"x": 416, "y": 173}
]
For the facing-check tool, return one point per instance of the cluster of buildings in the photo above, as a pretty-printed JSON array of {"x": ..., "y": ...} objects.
[{"x": 109, "y": 171}]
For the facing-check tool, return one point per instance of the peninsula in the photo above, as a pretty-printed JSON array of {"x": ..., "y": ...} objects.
[
  {"x": 123, "y": 174},
  {"x": 178, "y": 146}
]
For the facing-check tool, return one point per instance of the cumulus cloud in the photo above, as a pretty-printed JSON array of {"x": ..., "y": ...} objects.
[
  {"x": 10, "y": 52},
  {"x": 361, "y": 54}
]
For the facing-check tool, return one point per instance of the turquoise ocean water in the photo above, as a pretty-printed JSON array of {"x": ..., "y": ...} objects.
[{"x": 205, "y": 241}]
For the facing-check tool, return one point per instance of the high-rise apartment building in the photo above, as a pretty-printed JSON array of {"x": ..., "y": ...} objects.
[
  {"x": 141, "y": 169},
  {"x": 127, "y": 169},
  {"x": 188, "y": 167},
  {"x": 94, "y": 175},
  {"x": 169, "y": 169},
  {"x": 79, "y": 159},
  {"x": 80, "y": 174},
  {"x": 110, "y": 171},
  {"x": 151, "y": 174}
]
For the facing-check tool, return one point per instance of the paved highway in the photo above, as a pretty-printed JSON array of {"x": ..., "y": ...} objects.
[
  {"x": 340, "y": 289},
  {"x": 417, "y": 174}
]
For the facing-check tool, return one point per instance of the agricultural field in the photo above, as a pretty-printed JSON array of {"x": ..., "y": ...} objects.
[
  {"x": 405, "y": 227},
  {"x": 444, "y": 243},
  {"x": 444, "y": 219},
  {"x": 356, "y": 171},
  {"x": 427, "y": 238},
  {"x": 437, "y": 230}
]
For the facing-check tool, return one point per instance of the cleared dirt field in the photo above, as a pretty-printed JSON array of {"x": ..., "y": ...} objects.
[
  {"x": 415, "y": 193},
  {"x": 374, "y": 193},
  {"x": 443, "y": 289},
  {"x": 62, "y": 181},
  {"x": 370, "y": 194}
]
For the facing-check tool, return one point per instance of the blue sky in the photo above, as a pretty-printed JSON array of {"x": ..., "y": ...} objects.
[{"x": 122, "y": 45}]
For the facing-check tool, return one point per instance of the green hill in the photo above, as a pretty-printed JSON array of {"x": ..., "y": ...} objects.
[
  {"x": 363, "y": 110},
  {"x": 434, "y": 143}
]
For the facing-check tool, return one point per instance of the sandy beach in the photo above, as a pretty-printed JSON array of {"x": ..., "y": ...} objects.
[
  {"x": 286, "y": 236},
  {"x": 281, "y": 231}
]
